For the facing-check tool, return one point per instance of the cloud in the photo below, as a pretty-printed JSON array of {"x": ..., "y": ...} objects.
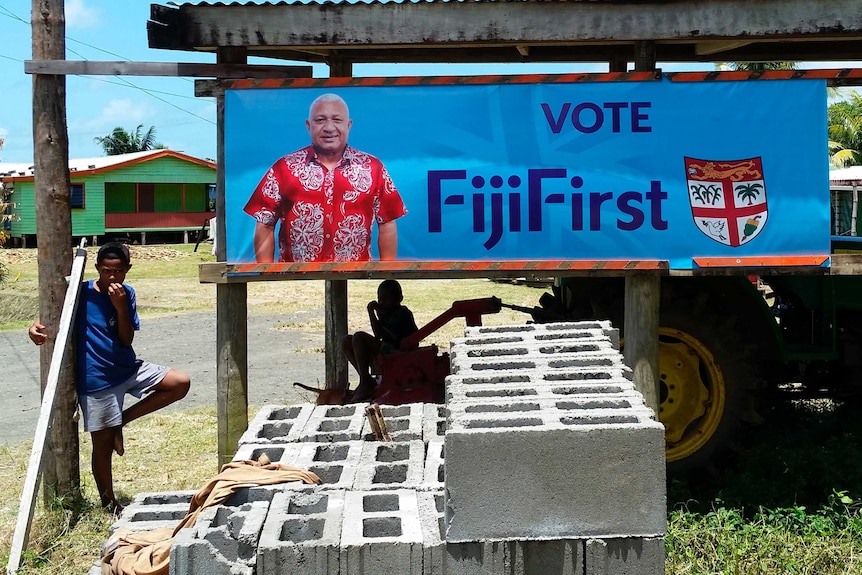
[
  {"x": 79, "y": 15},
  {"x": 120, "y": 112},
  {"x": 126, "y": 110}
]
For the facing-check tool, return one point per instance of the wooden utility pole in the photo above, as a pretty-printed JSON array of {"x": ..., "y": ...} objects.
[
  {"x": 61, "y": 473},
  {"x": 335, "y": 291},
  {"x": 231, "y": 312}
]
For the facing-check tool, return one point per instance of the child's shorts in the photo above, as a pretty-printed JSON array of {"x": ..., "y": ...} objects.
[{"x": 104, "y": 409}]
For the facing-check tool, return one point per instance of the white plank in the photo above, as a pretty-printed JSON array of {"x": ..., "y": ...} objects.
[{"x": 46, "y": 413}]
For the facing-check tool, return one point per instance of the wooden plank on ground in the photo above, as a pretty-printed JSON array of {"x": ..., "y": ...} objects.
[{"x": 46, "y": 413}]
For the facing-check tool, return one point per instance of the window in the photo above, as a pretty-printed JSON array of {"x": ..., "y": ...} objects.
[
  {"x": 76, "y": 196},
  {"x": 146, "y": 198}
]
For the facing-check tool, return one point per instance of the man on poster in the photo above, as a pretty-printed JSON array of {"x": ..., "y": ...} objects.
[{"x": 326, "y": 196}]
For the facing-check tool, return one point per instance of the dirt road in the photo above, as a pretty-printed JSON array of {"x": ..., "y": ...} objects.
[{"x": 278, "y": 356}]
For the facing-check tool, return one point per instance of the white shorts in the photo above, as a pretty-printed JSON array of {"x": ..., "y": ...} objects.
[{"x": 104, "y": 409}]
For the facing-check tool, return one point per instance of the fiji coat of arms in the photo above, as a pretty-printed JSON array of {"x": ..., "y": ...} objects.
[{"x": 728, "y": 198}]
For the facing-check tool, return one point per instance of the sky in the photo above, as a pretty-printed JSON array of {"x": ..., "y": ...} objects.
[{"x": 109, "y": 30}]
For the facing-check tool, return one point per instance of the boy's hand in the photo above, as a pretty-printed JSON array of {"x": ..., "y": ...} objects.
[
  {"x": 37, "y": 333},
  {"x": 118, "y": 295}
]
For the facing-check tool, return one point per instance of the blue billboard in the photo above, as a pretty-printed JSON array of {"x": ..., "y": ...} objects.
[{"x": 630, "y": 170}]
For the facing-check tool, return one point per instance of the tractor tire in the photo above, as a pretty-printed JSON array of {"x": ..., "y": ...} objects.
[{"x": 706, "y": 386}]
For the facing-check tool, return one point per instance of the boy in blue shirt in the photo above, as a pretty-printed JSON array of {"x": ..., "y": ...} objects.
[{"x": 107, "y": 367}]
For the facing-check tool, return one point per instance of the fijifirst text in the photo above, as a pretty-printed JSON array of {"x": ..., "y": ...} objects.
[{"x": 556, "y": 186}]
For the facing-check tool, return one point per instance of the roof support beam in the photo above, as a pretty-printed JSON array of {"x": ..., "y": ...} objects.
[{"x": 188, "y": 69}]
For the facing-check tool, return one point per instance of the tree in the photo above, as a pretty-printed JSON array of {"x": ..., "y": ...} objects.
[
  {"x": 845, "y": 132},
  {"x": 761, "y": 66},
  {"x": 5, "y": 217},
  {"x": 122, "y": 142}
]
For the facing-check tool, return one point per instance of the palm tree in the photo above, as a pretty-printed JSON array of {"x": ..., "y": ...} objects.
[
  {"x": 845, "y": 132},
  {"x": 761, "y": 66},
  {"x": 122, "y": 142},
  {"x": 748, "y": 192}
]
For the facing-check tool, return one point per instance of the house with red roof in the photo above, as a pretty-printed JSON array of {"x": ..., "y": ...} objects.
[{"x": 157, "y": 195}]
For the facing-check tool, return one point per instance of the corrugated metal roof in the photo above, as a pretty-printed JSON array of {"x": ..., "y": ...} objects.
[
  {"x": 300, "y": 2},
  {"x": 16, "y": 169},
  {"x": 850, "y": 175},
  {"x": 100, "y": 163}
]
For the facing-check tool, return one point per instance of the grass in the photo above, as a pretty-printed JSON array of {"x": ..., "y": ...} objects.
[
  {"x": 789, "y": 504},
  {"x": 165, "y": 452},
  {"x": 717, "y": 528},
  {"x": 165, "y": 279}
]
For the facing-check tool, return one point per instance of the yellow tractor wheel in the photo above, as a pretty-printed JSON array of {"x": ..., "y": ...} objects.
[{"x": 692, "y": 393}]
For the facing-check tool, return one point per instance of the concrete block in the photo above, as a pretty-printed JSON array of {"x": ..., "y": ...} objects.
[
  {"x": 149, "y": 511},
  {"x": 390, "y": 465},
  {"x": 223, "y": 541},
  {"x": 545, "y": 331},
  {"x": 478, "y": 348},
  {"x": 598, "y": 355},
  {"x": 334, "y": 463},
  {"x": 434, "y": 421},
  {"x": 536, "y": 347},
  {"x": 549, "y": 413},
  {"x": 433, "y": 476},
  {"x": 560, "y": 557},
  {"x": 334, "y": 423},
  {"x": 536, "y": 388},
  {"x": 277, "y": 424},
  {"x": 618, "y": 375},
  {"x": 525, "y": 476},
  {"x": 381, "y": 533},
  {"x": 507, "y": 557},
  {"x": 441, "y": 558},
  {"x": 403, "y": 422},
  {"x": 302, "y": 534},
  {"x": 284, "y": 453},
  {"x": 625, "y": 556}
]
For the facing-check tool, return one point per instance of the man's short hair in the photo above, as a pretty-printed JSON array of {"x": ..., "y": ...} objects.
[
  {"x": 393, "y": 287},
  {"x": 328, "y": 97},
  {"x": 114, "y": 251}
]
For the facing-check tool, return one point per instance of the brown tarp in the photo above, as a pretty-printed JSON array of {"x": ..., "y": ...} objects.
[{"x": 149, "y": 552}]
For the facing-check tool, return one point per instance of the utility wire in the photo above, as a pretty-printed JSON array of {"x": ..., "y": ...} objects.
[{"x": 121, "y": 81}]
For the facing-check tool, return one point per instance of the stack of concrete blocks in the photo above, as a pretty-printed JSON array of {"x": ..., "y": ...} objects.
[
  {"x": 544, "y": 461},
  {"x": 552, "y": 453}
]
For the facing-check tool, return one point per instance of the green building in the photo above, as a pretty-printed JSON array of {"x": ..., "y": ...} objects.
[{"x": 163, "y": 193}]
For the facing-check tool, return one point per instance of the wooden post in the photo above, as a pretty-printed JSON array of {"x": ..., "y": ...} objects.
[
  {"x": 642, "y": 298},
  {"x": 61, "y": 471},
  {"x": 231, "y": 367},
  {"x": 644, "y": 55},
  {"x": 854, "y": 211},
  {"x": 336, "y": 290},
  {"x": 335, "y": 316},
  {"x": 231, "y": 314},
  {"x": 618, "y": 64}
]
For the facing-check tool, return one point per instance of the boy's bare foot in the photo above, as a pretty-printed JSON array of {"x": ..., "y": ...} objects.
[
  {"x": 118, "y": 441},
  {"x": 364, "y": 391},
  {"x": 113, "y": 507}
]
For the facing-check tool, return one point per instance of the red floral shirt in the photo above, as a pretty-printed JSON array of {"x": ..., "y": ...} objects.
[{"x": 325, "y": 215}]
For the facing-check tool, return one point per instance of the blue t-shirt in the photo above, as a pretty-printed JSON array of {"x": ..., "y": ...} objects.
[{"x": 103, "y": 361}]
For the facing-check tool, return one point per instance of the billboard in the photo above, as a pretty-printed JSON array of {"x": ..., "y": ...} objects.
[{"x": 492, "y": 171}]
